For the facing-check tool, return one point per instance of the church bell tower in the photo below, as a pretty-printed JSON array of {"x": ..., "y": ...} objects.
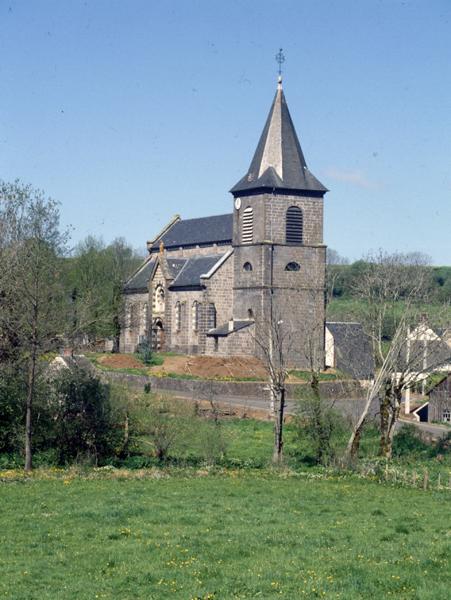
[{"x": 279, "y": 254}]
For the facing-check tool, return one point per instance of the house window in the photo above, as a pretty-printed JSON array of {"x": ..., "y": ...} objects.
[
  {"x": 247, "y": 234},
  {"x": 216, "y": 343},
  {"x": 247, "y": 266},
  {"x": 195, "y": 315},
  {"x": 293, "y": 266},
  {"x": 447, "y": 415},
  {"x": 178, "y": 316},
  {"x": 211, "y": 316},
  {"x": 250, "y": 313},
  {"x": 294, "y": 225}
]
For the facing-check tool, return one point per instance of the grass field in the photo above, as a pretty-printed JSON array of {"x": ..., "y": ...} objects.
[{"x": 236, "y": 535}]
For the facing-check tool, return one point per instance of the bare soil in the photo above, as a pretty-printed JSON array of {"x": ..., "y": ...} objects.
[
  {"x": 120, "y": 361},
  {"x": 212, "y": 367}
]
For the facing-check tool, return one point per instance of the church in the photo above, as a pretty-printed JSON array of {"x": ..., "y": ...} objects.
[{"x": 230, "y": 284}]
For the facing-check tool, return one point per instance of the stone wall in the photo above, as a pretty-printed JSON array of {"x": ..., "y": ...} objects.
[
  {"x": 136, "y": 321},
  {"x": 201, "y": 388},
  {"x": 238, "y": 343}
]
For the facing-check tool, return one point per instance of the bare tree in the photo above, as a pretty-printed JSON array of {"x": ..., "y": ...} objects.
[
  {"x": 409, "y": 359},
  {"x": 31, "y": 303},
  {"x": 387, "y": 284},
  {"x": 275, "y": 343}
]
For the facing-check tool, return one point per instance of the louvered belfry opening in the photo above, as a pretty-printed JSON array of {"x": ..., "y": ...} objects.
[
  {"x": 294, "y": 225},
  {"x": 247, "y": 235}
]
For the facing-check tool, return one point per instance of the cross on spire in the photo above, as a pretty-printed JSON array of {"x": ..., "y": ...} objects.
[{"x": 280, "y": 59}]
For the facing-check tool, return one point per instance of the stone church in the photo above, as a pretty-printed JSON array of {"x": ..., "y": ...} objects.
[{"x": 228, "y": 284}]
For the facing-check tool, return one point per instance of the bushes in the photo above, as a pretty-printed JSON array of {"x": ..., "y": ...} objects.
[
  {"x": 319, "y": 424},
  {"x": 164, "y": 427},
  {"x": 408, "y": 441},
  {"x": 12, "y": 394},
  {"x": 84, "y": 425}
]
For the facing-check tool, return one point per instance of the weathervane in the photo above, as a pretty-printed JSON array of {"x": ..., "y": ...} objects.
[{"x": 280, "y": 58}]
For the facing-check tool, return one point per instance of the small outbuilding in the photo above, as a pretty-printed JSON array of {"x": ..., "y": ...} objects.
[
  {"x": 349, "y": 349},
  {"x": 439, "y": 409}
]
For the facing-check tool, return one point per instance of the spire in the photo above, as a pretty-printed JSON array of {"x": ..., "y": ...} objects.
[{"x": 278, "y": 162}]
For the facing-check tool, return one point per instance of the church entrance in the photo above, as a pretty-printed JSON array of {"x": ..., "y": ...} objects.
[{"x": 157, "y": 335}]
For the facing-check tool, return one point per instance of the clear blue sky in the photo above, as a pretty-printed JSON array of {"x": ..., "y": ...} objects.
[{"x": 128, "y": 112}]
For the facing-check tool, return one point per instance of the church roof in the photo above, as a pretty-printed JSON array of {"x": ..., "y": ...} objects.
[
  {"x": 225, "y": 330},
  {"x": 192, "y": 232},
  {"x": 175, "y": 265},
  {"x": 138, "y": 282},
  {"x": 279, "y": 162},
  {"x": 193, "y": 269}
]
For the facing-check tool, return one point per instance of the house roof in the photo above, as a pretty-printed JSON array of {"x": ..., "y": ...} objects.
[
  {"x": 444, "y": 385},
  {"x": 278, "y": 162},
  {"x": 192, "y": 232},
  {"x": 352, "y": 347},
  {"x": 139, "y": 280},
  {"x": 224, "y": 331},
  {"x": 424, "y": 355},
  {"x": 194, "y": 267}
]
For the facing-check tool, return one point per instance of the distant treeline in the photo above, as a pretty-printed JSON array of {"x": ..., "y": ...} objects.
[{"x": 342, "y": 281}]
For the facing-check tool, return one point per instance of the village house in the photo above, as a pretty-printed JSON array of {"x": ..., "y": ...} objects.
[{"x": 439, "y": 408}]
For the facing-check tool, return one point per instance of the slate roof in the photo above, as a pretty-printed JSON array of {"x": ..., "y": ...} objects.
[
  {"x": 352, "y": 349},
  {"x": 175, "y": 265},
  {"x": 223, "y": 330},
  {"x": 139, "y": 280},
  {"x": 194, "y": 267},
  {"x": 192, "y": 232},
  {"x": 278, "y": 162},
  {"x": 443, "y": 387}
]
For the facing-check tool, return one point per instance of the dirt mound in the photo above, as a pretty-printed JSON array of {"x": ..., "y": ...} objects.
[
  {"x": 120, "y": 361},
  {"x": 212, "y": 367}
]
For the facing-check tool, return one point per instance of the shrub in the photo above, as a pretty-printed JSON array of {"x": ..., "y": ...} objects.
[
  {"x": 318, "y": 424},
  {"x": 12, "y": 400},
  {"x": 163, "y": 423},
  {"x": 408, "y": 441},
  {"x": 145, "y": 353},
  {"x": 84, "y": 425}
]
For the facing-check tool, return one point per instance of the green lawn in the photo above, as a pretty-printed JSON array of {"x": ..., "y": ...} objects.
[{"x": 240, "y": 535}]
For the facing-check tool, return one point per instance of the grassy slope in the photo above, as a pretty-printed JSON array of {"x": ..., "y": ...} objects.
[{"x": 248, "y": 536}]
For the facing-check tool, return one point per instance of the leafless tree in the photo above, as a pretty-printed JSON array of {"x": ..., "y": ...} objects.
[
  {"x": 386, "y": 284},
  {"x": 410, "y": 358}
]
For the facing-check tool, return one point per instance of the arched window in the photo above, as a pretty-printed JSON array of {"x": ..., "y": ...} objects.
[
  {"x": 294, "y": 225},
  {"x": 211, "y": 316},
  {"x": 247, "y": 266},
  {"x": 134, "y": 316},
  {"x": 195, "y": 315},
  {"x": 178, "y": 316},
  {"x": 293, "y": 266},
  {"x": 247, "y": 235},
  {"x": 158, "y": 299}
]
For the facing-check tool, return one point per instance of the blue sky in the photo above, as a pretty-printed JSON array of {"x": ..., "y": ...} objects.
[{"x": 128, "y": 112}]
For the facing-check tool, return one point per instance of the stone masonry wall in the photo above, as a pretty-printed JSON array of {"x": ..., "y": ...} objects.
[{"x": 136, "y": 321}]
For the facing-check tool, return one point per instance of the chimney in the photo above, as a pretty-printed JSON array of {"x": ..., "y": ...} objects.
[{"x": 231, "y": 325}]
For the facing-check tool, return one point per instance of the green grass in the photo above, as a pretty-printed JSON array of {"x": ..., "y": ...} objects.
[
  {"x": 220, "y": 537},
  {"x": 306, "y": 375}
]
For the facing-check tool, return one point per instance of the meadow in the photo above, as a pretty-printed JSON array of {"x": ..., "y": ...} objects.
[
  {"x": 194, "y": 534},
  {"x": 236, "y": 529}
]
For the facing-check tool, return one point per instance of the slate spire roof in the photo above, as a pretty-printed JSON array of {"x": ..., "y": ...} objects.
[{"x": 279, "y": 162}]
